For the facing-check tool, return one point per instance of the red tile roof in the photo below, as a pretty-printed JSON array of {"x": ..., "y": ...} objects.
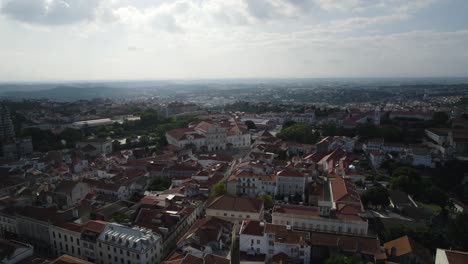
[
  {"x": 253, "y": 228},
  {"x": 238, "y": 204},
  {"x": 288, "y": 172}
]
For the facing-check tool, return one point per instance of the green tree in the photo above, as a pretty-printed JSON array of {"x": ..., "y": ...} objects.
[
  {"x": 288, "y": 123},
  {"x": 406, "y": 183},
  {"x": 219, "y": 189},
  {"x": 267, "y": 200},
  {"x": 301, "y": 133},
  {"x": 340, "y": 259},
  {"x": 458, "y": 232},
  {"x": 159, "y": 184},
  {"x": 367, "y": 130},
  {"x": 376, "y": 196},
  {"x": 250, "y": 124}
]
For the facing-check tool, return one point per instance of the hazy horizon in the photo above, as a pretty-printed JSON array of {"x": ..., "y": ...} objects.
[{"x": 124, "y": 40}]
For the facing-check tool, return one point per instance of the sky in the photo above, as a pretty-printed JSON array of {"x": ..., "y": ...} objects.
[{"x": 55, "y": 40}]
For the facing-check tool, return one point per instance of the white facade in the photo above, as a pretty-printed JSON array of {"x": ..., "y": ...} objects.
[
  {"x": 272, "y": 239},
  {"x": 121, "y": 244},
  {"x": 318, "y": 223},
  {"x": 66, "y": 241}
]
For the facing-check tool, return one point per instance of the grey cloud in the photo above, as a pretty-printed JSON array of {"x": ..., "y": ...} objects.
[
  {"x": 54, "y": 12},
  {"x": 166, "y": 22},
  {"x": 261, "y": 9}
]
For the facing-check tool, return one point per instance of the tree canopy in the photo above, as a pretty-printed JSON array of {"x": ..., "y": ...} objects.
[
  {"x": 219, "y": 189},
  {"x": 376, "y": 196},
  {"x": 300, "y": 133},
  {"x": 267, "y": 200}
]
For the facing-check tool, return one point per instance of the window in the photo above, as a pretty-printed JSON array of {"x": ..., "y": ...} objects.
[
  {"x": 60, "y": 235},
  {"x": 79, "y": 251},
  {"x": 53, "y": 234},
  {"x": 65, "y": 236},
  {"x": 77, "y": 241},
  {"x": 71, "y": 239},
  {"x": 258, "y": 241}
]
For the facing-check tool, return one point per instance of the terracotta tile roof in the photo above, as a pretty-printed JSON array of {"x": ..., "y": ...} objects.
[
  {"x": 207, "y": 229},
  {"x": 213, "y": 259},
  {"x": 280, "y": 258},
  {"x": 258, "y": 258},
  {"x": 94, "y": 226},
  {"x": 238, "y": 204},
  {"x": 285, "y": 236},
  {"x": 456, "y": 257},
  {"x": 66, "y": 259},
  {"x": 297, "y": 210},
  {"x": 405, "y": 245},
  {"x": 188, "y": 259},
  {"x": 344, "y": 190},
  {"x": 253, "y": 228},
  {"x": 179, "y": 133},
  {"x": 288, "y": 172},
  {"x": 348, "y": 243}
]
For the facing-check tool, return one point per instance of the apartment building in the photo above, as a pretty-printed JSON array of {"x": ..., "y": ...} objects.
[{"x": 267, "y": 243}]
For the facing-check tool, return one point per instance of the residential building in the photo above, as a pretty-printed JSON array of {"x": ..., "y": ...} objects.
[
  {"x": 210, "y": 235},
  {"x": 438, "y": 135},
  {"x": 121, "y": 244},
  {"x": 66, "y": 238},
  {"x": 272, "y": 241},
  {"x": 376, "y": 158},
  {"x": 248, "y": 183},
  {"x": 236, "y": 209},
  {"x": 345, "y": 219},
  {"x": 290, "y": 184},
  {"x": 69, "y": 193},
  {"x": 94, "y": 147}
]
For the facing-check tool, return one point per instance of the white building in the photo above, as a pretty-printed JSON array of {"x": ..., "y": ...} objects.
[
  {"x": 211, "y": 136},
  {"x": 66, "y": 239},
  {"x": 95, "y": 146},
  {"x": 272, "y": 241},
  {"x": 247, "y": 183},
  {"x": 290, "y": 183},
  {"x": 376, "y": 158},
  {"x": 311, "y": 218},
  {"x": 438, "y": 135},
  {"x": 121, "y": 244}
]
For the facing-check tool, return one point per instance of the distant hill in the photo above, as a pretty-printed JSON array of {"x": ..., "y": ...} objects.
[{"x": 70, "y": 93}]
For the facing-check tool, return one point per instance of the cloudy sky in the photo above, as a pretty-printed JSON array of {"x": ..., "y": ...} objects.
[{"x": 191, "y": 39}]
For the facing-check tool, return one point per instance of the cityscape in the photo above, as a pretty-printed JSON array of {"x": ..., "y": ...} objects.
[{"x": 219, "y": 132}]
